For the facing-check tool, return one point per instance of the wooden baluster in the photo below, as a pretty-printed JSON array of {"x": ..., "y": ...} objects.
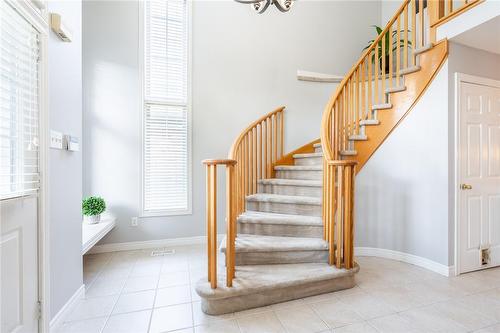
[
  {"x": 398, "y": 48},
  {"x": 376, "y": 69},
  {"x": 264, "y": 145},
  {"x": 383, "y": 67},
  {"x": 255, "y": 165},
  {"x": 259, "y": 152},
  {"x": 413, "y": 31},
  {"x": 269, "y": 142},
  {"x": 282, "y": 134},
  {"x": 325, "y": 201},
  {"x": 405, "y": 54},
  {"x": 275, "y": 137},
  {"x": 370, "y": 83},
  {"x": 339, "y": 220},
  {"x": 450, "y": 6},
  {"x": 245, "y": 165},
  {"x": 229, "y": 226},
  {"x": 344, "y": 118},
  {"x": 213, "y": 226},
  {"x": 390, "y": 55},
  {"x": 329, "y": 213},
  {"x": 208, "y": 214},
  {"x": 421, "y": 13},
  {"x": 363, "y": 91},
  {"x": 347, "y": 216},
  {"x": 349, "y": 109},
  {"x": 250, "y": 162}
]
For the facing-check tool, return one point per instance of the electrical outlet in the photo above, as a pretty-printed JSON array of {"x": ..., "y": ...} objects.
[{"x": 134, "y": 222}]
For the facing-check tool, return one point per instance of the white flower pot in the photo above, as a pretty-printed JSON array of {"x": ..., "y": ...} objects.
[{"x": 92, "y": 219}]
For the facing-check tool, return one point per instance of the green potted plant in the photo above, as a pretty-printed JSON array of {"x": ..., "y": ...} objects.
[
  {"x": 92, "y": 208},
  {"x": 389, "y": 47}
]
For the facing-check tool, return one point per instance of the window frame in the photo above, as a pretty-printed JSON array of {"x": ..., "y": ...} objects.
[{"x": 142, "y": 108}]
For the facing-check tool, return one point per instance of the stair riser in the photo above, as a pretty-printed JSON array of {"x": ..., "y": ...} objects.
[
  {"x": 318, "y": 150},
  {"x": 218, "y": 306},
  {"x": 309, "y": 160},
  {"x": 309, "y": 191},
  {"x": 278, "y": 257},
  {"x": 299, "y": 174},
  {"x": 285, "y": 230},
  {"x": 284, "y": 208}
]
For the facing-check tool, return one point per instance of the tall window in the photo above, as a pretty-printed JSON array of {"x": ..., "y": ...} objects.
[
  {"x": 19, "y": 104},
  {"x": 166, "y": 183}
]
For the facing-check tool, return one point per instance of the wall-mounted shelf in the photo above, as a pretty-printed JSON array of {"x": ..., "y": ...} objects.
[
  {"x": 92, "y": 233},
  {"x": 318, "y": 77}
]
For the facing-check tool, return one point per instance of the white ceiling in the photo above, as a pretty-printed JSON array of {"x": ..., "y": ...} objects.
[{"x": 485, "y": 36}]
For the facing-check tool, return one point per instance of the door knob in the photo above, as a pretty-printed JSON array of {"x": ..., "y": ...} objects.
[{"x": 466, "y": 187}]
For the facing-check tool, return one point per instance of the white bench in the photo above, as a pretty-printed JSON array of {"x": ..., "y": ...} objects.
[{"x": 92, "y": 233}]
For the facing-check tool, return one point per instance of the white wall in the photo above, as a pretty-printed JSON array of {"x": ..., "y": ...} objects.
[
  {"x": 402, "y": 191},
  {"x": 387, "y": 10},
  {"x": 244, "y": 65},
  {"x": 65, "y": 169}
]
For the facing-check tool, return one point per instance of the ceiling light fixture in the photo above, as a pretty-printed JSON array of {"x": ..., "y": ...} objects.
[{"x": 260, "y": 6}]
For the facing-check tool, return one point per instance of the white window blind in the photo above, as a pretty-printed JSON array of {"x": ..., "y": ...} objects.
[
  {"x": 19, "y": 108},
  {"x": 166, "y": 146}
]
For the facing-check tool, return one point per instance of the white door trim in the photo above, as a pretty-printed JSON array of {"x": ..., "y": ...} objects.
[{"x": 459, "y": 79}]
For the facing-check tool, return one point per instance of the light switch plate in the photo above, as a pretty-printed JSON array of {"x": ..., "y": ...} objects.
[{"x": 56, "y": 140}]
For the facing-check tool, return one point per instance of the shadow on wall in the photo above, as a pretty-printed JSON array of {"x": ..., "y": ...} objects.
[{"x": 389, "y": 209}]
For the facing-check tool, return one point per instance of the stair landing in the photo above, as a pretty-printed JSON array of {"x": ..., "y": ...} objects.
[{"x": 260, "y": 285}]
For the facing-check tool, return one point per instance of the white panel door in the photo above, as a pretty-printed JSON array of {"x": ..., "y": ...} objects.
[
  {"x": 18, "y": 265},
  {"x": 479, "y": 176}
]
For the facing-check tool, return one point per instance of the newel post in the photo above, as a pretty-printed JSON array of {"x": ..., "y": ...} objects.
[{"x": 211, "y": 216}]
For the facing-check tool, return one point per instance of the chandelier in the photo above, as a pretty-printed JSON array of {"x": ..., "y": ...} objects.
[{"x": 260, "y": 6}]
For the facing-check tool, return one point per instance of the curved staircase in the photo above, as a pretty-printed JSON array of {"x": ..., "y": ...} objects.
[
  {"x": 280, "y": 253},
  {"x": 290, "y": 220}
]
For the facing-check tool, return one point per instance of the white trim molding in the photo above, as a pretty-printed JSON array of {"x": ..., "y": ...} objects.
[
  {"x": 59, "y": 318},
  {"x": 151, "y": 244},
  {"x": 405, "y": 257}
]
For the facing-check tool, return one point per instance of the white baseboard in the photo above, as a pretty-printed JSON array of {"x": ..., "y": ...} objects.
[
  {"x": 128, "y": 246},
  {"x": 407, "y": 258},
  {"x": 60, "y": 316}
]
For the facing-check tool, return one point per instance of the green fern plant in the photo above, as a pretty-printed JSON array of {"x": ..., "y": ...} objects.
[{"x": 388, "y": 46}]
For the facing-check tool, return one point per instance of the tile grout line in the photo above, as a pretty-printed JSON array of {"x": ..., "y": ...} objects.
[{"x": 117, "y": 298}]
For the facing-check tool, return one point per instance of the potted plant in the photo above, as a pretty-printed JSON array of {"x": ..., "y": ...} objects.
[
  {"x": 389, "y": 47},
  {"x": 92, "y": 208}
]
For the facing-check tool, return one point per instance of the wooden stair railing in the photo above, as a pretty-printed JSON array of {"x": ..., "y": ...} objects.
[
  {"x": 442, "y": 11},
  {"x": 378, "y": 72},
  {"x": 252, "y": 157},
  {"x": 350, "y": 114}
]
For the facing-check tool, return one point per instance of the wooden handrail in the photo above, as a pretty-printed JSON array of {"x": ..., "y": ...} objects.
[
  {"x": 443, "y": 10},
  {"x": 252, "y": 157},
  {"x": 364, "y": 86}
]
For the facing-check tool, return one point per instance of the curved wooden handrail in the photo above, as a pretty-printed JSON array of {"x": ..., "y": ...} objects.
[
  {"x": 240, "y": 137},
  {"x": 252, "y": 157},
  {"x": 327, "y": 149}
]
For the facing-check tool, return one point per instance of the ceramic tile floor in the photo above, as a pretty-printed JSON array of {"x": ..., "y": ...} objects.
[{"x": 134, "y": 292}]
